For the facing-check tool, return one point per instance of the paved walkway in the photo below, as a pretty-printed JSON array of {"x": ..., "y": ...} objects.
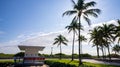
[
  {"x": 100, "y": 62},
  {"x": 40, "y": 66}
]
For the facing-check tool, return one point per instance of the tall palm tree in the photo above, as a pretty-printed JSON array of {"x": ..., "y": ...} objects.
[
  {"x": 82, "y": 38},
  {"x": 95, "y": 38},
  {"x": 59, "y": 41},
  {"x": 108, "y": 31},
  {"x": 117, "y": 32},
  {"x": 116, "y": 49},
  {"x": 82, "y": 9},
  {"x": 74, "y": 26}
]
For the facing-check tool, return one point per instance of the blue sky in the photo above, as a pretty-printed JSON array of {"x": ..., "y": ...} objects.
[
  {"x": 28, "y": 16},
  {"x": 21, "y": 18}
]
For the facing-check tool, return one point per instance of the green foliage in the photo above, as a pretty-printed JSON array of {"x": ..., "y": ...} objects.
[
  {"x": 2, "y": 55},
  {"x": 20, "y": 54},
  {"x": 69, "y": 63},
  {"x": 114, "y": 55},
  {"x": 66, "y": 56},
  {"x": 86, "y": 55},
  {"x": 116, "y": 48},
  {"x": 6, "y": 63},
  {"x": 58, "y": 63}
]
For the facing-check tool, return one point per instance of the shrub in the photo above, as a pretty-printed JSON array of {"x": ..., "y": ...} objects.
[
  {"x": 64, "y": 63},
  {"x": 6, "y": 63}
]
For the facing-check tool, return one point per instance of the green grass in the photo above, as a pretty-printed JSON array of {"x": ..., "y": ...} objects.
[
  {"x": 85, "y": 64},
  {"x": 3, "y": 61},
  {"x": 6, "y": 63},
  {"x": 64, "y": 61}
]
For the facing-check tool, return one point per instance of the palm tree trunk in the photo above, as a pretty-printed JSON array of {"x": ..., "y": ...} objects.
[
  {"x": 81, "y": 48},
  {"x": 102, "y": 52},
  {"x": 60, "y": 52},
  {"x": 109, "y": 52},
  {"x": 80, "y": 62},
  {"x": 98, "y": 52},
  {"x": 73, "y": 46}
]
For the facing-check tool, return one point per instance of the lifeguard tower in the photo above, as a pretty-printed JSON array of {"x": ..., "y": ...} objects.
[{"x": 31, "y": 56}]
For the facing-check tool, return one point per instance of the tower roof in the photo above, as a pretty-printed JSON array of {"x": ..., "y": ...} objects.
[{"x": 23, "y": 47}]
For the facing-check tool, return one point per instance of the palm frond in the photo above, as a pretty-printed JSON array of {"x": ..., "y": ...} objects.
[
  {"x": 69, "y": 12},
  {"x": 55, "y": 42},
  {"x": 73, "y": 2},
  {"x": 87, "y": 19},
  {"x": 97, "y": 11},
  {"x": 89, "y": 4},
  {"x": 64, "y": 43},
  {"x": 118, "y": 22},
  {"x": 69, "y": 28},
  {"x": 74, "y": 19},
  {"x": 87, "y": 13},
  {"x": 80, "y": 4}
]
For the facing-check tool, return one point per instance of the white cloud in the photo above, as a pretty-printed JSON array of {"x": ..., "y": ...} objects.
[{"x": 47, "y": 39}]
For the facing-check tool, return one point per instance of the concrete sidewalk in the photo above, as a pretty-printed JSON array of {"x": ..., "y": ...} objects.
[{"x": 100, "y": 62}]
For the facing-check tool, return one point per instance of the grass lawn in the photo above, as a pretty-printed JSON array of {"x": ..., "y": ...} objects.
[
  {"x": 1, "y": 61},
  {"x": 6, "y": 63},
  {"x": 85, "y": 64},
  {"x": 66, "y": 61}
]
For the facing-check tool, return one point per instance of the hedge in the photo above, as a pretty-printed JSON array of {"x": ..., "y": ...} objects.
[
  {"x": 6, "y": 63},
  {"x": 64, "y": 63}
]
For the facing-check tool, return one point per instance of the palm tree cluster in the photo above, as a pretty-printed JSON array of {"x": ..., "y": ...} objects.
[
  {"x": 81, "y": 9},
  {"x": 103, "y": 36}
]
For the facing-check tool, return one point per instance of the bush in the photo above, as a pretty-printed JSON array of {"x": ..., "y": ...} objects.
[
  {"x": 20, "y": 54},
  {"x": 6, "y": 63},
  {"x": 114, "y": 55},
  {"x": 64, "y": 63},
  {"x": 58, "y": 64},
  {"x": 6, "y": 56}
]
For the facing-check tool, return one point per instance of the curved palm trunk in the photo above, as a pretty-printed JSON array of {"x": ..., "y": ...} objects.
[
  {"x": 73, "y": 46},
  {"x": 80, "y": 62},
  {"x": 98, "y": 51},
  {"x": 60, "y": 52}
]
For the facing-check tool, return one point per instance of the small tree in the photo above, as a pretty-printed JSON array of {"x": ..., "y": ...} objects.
[
  {"x": 116, "y": 49},
  {"x": 59, "y": 41}
]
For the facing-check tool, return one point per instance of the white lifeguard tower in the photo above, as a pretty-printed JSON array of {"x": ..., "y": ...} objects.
[{"x": 31, "y": 56}]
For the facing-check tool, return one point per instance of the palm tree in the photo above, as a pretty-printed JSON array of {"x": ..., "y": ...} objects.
[
  {"x": 116, "y": 49},
  {"x": 95, "y": 38},
  {"x": 108, "y": 31},
  {"x": 82, "y": 38},
  {"x": 73, "y": 27},
  {"x": 117, "y": 31},
  {"x": 82, "y": 9},
  {"x": 60, "y": 40}
]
